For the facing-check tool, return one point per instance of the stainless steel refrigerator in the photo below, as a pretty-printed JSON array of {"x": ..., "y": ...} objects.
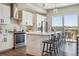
[{"x": 44, "y": 26}]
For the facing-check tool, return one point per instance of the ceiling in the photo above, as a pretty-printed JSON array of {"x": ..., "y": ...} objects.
[
  {"x": 31, "y": 8},
  {"x": 52, "y": 5},
  {"x": 41, "y": 7}
]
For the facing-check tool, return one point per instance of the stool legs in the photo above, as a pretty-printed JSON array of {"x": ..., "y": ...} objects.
[
  {"x": 48, "y": 49},
  {"x": 51, "y": 47},
  {"x": 43, "y": 49}
]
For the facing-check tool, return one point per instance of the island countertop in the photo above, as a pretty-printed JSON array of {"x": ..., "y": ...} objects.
[
  {"x": 34, "y": 42},
  {"x": 40, "y": 33}
]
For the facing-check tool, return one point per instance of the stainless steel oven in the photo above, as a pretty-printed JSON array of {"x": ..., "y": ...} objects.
[{"x": 19, "y": 39}]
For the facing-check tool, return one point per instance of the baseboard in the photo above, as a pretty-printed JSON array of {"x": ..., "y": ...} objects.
[{"x": 6, "y": 50}]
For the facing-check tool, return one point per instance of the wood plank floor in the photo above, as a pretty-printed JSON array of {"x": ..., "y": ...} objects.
[
  {"x": 69, "y": 50},
  {"x": 15, "y": 52}
]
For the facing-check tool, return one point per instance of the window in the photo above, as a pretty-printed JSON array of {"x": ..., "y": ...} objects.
[
  {"x": 70, "y": 20},
  {"x": 56, "y": 21}
]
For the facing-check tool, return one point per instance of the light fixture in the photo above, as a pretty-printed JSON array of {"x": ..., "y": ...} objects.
[{"x": 55, "y": 10}]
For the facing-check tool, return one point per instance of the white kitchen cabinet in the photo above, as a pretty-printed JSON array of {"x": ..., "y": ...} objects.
[
  {"x": 6, "y": 11},
  {"x": 7, "y": 21},
  {"x": 4, "y": 14},
  {"x": 27, "y": 18},
  {"x": 1, "y": 37},
  {"x": 6, "y": 41},
  {"x": 10, "y": 40},
  {"x": 34, "y": 43}
]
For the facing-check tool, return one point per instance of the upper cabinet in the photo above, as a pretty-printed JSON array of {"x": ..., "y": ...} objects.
[
  {"x": 4, "y": 11},
  {"x": 4, "y": 14},
  {"x": 27, "y": 18}
]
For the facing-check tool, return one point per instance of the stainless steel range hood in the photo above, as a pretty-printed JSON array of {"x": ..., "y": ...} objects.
[{"x": 14, "y": 11}]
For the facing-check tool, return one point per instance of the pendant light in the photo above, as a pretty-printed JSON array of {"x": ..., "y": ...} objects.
[{"x": 55, "y": 10}]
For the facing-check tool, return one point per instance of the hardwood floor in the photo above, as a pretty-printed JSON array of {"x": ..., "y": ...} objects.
[
  {"x": 67, "y": 49},
  {"x": 15, "y": 52}
]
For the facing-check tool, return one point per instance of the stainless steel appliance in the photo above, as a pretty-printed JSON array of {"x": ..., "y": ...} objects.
[
  {"x": 44, "y": 26},
  {"x": 19, "y": 39}
]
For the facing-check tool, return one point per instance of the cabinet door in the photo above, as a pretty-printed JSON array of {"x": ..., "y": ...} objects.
[
  {"x": 7, "y": 21},
  {"x": 33, "y": 44},
  {"x": 27, "y": 18},
  {"x": 30, "y": 19},
  {"x": 1, "y": 11},
  {"x": 24, "y": 18},
  {"x": 10, "y": 40},
  {"x": 3, "y": 45},
  {"x": 1, "y": 38},
  {"x": 7, "y": 42},
  {"x": 6, "y": 11}
]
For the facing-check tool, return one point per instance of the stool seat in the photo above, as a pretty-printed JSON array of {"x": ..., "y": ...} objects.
[{"x": 48, "y": 41}]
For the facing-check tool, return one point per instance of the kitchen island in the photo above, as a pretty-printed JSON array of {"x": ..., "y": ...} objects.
[{"x": 34, "y": 42}]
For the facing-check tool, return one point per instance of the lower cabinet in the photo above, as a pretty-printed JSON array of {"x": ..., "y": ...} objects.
[
  {"x": 6, "y": 42},
  {"x": 34, "y": 44}
]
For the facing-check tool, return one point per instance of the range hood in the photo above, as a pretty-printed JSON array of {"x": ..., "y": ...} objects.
[{"x": 14, "y": 11}]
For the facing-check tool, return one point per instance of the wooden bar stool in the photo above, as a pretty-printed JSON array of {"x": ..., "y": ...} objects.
[
  {"x": 46, "y": 46},
  {"x": 77, "y": 45},
  {"x": 58, "y": 42},
  {"x": 50, "y": 46}
]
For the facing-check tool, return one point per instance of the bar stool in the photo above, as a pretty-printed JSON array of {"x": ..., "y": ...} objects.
[
  {"x": 50, "y": 45},
  {"x": 58, "y": 37},
  {"x": 46, "y": 45}
]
